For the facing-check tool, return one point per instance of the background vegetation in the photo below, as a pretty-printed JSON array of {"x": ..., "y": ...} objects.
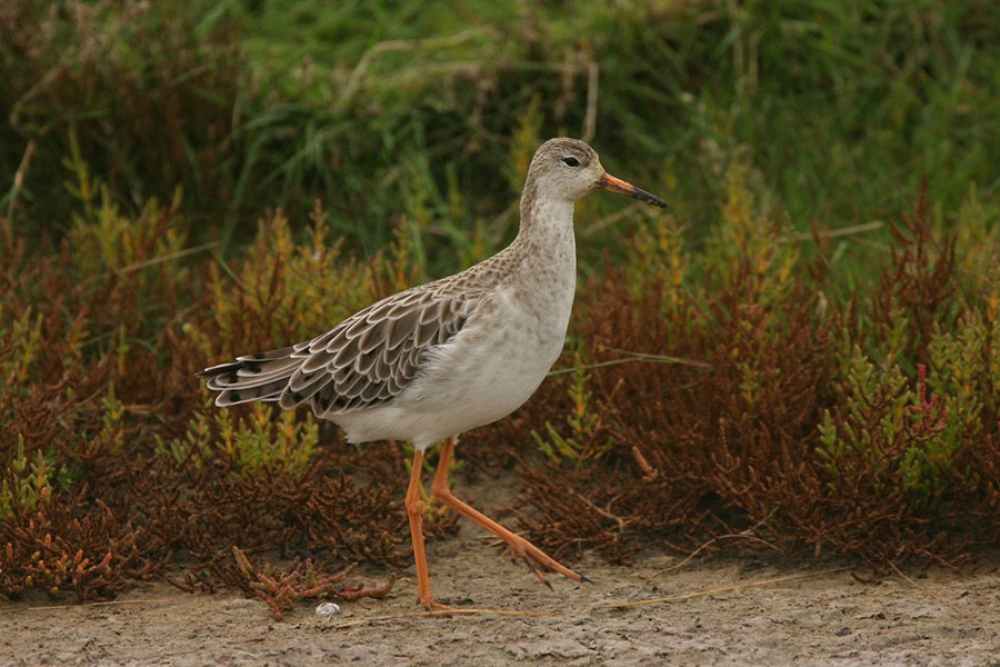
[{"x": 186, "y": 181}]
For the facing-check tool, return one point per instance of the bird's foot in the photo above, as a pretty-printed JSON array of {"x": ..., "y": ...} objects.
[
  {"x": 434, "y": 605},
  {"x": 532, "y": 556}
]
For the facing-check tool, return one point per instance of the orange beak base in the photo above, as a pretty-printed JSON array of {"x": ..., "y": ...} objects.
[{"x": 612, "y": 184}]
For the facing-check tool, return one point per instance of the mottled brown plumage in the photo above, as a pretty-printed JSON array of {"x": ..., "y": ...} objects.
[{"x": 436, "y": 360}]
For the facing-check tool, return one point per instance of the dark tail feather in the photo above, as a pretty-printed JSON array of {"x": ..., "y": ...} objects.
[
  {"x": 257, "y": 377},
  {"x": 264, "y": 392}
]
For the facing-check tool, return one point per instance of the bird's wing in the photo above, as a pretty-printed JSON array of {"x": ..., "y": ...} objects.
[{"x": 367, "y": 359}]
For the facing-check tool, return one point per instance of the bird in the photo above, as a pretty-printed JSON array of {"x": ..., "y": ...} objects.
[{"x": 436, "y": 360}]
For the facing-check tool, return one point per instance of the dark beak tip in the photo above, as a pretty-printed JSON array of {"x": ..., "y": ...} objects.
[
  {"x": 613, "y": 184},
  {"x": 651, "y": 199}
]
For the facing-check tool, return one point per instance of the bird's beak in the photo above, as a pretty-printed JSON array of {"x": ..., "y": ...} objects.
[{"x": 612, "y": 184}]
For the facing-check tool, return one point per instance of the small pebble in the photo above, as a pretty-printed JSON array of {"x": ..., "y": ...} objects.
[{"x": 328, "y": 609}]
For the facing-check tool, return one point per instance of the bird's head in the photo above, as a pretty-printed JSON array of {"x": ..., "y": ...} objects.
[{"x": 570, "y": 169}]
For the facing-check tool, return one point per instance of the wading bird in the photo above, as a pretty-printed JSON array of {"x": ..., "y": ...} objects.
[{"x": 439, "y": 359}]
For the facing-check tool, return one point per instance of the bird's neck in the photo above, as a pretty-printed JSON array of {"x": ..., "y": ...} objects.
[
  {"x": 544, "y": 219},
  {"x": 546, "y": 244}
]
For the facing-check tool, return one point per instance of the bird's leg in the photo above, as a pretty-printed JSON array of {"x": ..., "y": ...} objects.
[
  {"x": 519, "y": 547},
  {"x": 415, "y": 511}
]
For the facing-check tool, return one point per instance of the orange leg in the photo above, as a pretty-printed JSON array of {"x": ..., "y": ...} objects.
[
  {"x": 415, "y": 511},
  {"x": 519, "y": 547}
]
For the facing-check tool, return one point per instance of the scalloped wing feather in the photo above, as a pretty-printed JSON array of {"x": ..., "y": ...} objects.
[
  {"x": 378, "y": 352},
  {"x": 367, "y": 359}
]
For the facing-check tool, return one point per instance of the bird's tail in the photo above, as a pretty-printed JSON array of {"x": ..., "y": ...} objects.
[{"x": 255, "y": 377}]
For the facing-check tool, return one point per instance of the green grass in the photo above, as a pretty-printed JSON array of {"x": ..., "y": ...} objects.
[{"x": 403, "y": 113}]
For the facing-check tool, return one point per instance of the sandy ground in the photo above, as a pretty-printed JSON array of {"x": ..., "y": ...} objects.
[{"x": 820, "y": 618}]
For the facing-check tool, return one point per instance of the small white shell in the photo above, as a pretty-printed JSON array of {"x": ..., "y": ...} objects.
[{"x": 328, "y": 609}]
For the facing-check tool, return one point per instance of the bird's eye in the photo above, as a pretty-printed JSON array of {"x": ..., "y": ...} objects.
[{"x": 571, "y": 161}]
